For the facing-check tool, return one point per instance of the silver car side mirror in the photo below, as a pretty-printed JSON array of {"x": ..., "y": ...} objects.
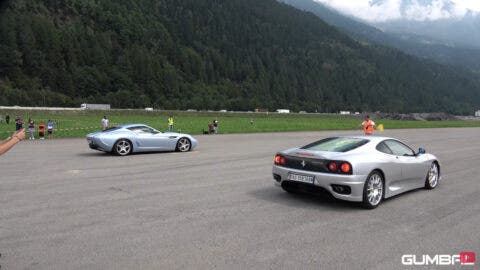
[{"x": 421, "y": 151}]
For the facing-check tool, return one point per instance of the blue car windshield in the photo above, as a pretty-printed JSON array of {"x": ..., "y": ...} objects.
[
  {"x": 336, "y": 144},
  {"x": 111, "y": 129}
]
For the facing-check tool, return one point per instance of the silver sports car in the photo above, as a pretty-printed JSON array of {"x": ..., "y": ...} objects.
[
  {"x": 133, "y": 138},
  {"x": 366, "y": 169}
]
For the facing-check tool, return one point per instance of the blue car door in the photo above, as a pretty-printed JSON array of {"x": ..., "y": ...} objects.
[{"x": 149, "y": 139}]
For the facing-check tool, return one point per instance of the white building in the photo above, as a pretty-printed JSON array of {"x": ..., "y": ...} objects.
[
  {"x": 477, "y": 113},
  {"x": 88, "y": 106}
]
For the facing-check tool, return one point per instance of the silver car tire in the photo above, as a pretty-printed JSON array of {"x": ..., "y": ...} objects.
[
  {"x": 373, "y": 190},
  {"x": 433, "y": 176},
  {"x": 184, "y": 145},
  {"x": 123, "y": 147}
]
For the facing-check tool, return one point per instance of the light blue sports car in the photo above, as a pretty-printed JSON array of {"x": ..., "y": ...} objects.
[{"x": 134, "y": 138}]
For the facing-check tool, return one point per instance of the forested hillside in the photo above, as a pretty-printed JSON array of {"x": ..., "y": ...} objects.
[
  {"x": 209, "y": 54},
  {"x": 417, "y": 45}
]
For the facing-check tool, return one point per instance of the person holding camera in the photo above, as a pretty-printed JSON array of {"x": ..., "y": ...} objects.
[{"x": 9, "y": 143}]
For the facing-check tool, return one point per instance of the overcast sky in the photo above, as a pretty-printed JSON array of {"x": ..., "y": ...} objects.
[{"x": 390, "y": 9}]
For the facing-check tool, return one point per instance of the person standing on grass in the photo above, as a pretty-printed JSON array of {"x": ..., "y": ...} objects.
[
  {"x": 170, "y": 122},
  {"x": 9, "y": 143},
  {"x": 368, "y": 125},
  {"x": 50, "y": 128},
  {"x": 7, "y": 119},
  {"x": 104, "y": 122},
  {"x": 215, "y": 126},
  {"x": 31, "y": 128},
  {"x": 18, "y": 122}
]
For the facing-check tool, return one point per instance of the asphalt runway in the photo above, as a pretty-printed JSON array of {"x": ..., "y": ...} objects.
[{"x": 64, "y": 206}]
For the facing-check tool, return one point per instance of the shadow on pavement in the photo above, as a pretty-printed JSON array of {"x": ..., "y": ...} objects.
[
  {"x": 304, "y": 200},
  {"x": 103, "y": 154},
  {"x": 93, "y": 154}
]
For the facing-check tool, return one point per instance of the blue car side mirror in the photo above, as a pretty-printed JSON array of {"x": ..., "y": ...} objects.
[{"x": 421, "y": 151}]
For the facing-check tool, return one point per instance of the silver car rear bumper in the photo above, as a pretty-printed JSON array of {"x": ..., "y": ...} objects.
[{"x": 326, "y": 180}]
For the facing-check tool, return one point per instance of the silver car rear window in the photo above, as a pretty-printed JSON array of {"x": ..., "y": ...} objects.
[{"x": 336, "y": 144}]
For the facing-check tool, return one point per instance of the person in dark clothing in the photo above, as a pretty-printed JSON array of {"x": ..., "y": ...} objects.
[
  {"x": 18, "y": 123},
  {"x": 31, "y": 129},
  {"x": 7, "y": 119}
]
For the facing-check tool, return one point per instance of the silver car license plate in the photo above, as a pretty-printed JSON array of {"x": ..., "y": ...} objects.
[{"x": 300, "y": 178}]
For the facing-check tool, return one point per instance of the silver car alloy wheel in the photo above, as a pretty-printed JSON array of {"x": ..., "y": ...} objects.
[
  {"x": 375, "y": 189},
  {"x": 433, "y": 175},
  {"x": 183, "y": 144},
  {"x": 123, "y": 147}
]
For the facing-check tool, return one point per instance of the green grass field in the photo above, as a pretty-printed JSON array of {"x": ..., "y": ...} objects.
[{"x": 79, "y": 123}]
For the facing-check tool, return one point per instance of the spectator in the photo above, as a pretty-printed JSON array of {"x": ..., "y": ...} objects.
[
  {"x": 7, "y": 119},
  {"x": 211, "y": 129},
  {"x": 215, "y": 126},
  {"x": 368, "y": 125},
  {"x": 41, "y": 131},
  {"x": 170, "y": 122},
  {"x": 31, "y": 129},
  {"x": 18, "y": 123},
  {"x": 1, "y": 119},
  {"x": 104, "y": 122},
  {"x": 50, "y": 128},
  {"x": 9, "y": 143},
  {"x": 251, "y": 121}
]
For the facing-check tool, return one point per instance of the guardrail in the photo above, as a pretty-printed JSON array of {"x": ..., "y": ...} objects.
[
  {"x": 62, "y": 129},
  {"x": 39, "y": 108}
]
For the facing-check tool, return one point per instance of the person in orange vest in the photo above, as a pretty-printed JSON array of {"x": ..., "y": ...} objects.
[{"x": 368, "y": 125}]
